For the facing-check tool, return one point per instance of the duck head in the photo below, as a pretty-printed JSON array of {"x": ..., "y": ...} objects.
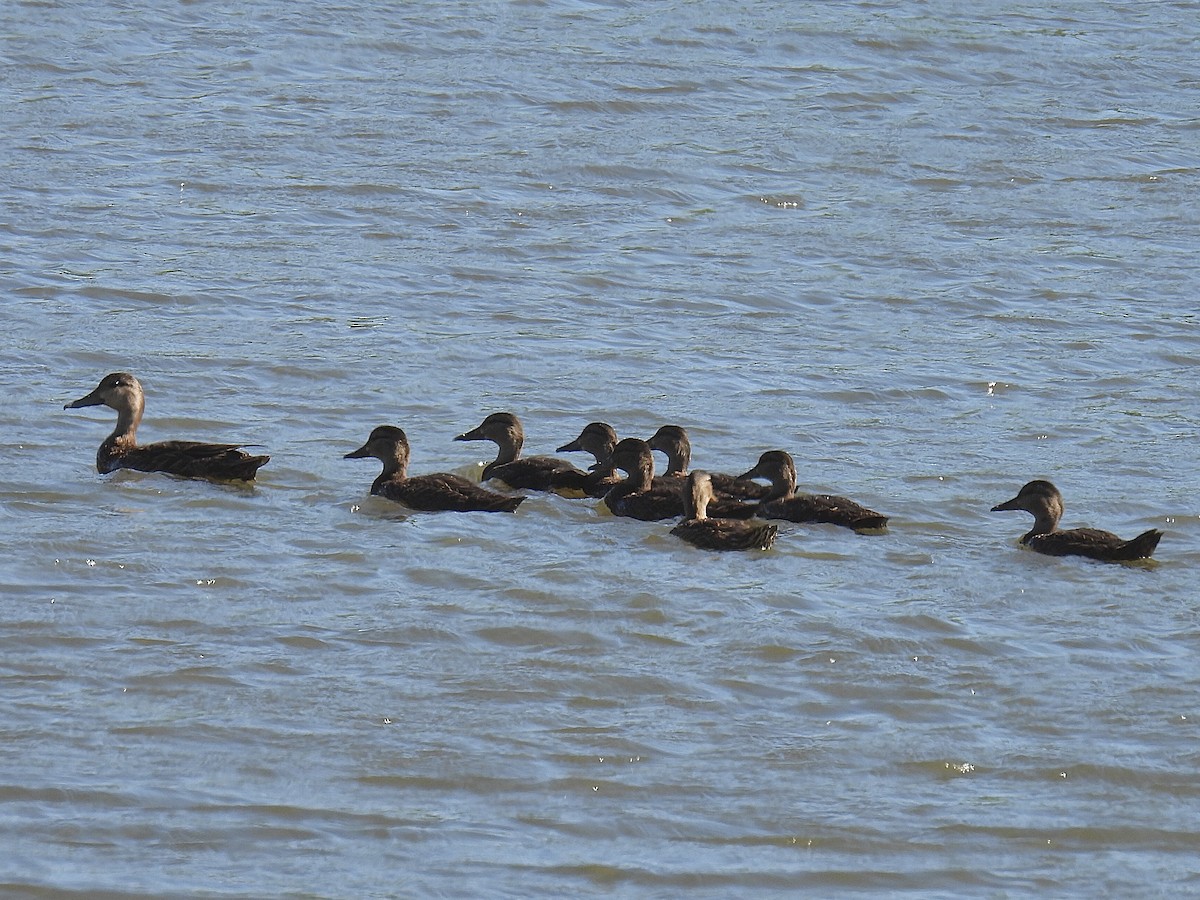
[
  {"x": 1041, "y": 499},
  {"x": 119, "y": 391},
  {"x": 673, "y": 441},
  {"x": 777, "y": 467},
  {"x": 597, "y": 438},
  {"x": 122, "y": 392},
  {"x": 633, "y": 457},
  {"x": 503, "y": 429},
  {"x": 389, "y": 445}
]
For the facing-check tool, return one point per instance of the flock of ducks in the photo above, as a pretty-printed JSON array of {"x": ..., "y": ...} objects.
[{"x": 715, "y": 511}]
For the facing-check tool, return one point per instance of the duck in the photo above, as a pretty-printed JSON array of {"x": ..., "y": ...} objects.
[
  {"x": 782, "y": 501},
  {"x": 535, "y": 473},
  {"x": 717, "y": 534},
  {"x": 598, "y": 439},
  {"x": 1044, "y": 501},
  {"x": 637, "y": 497},
  {"x": 673, "y": 441},
  {"x": 186, "y": 459},
  {"x": 440, "y": 491}
]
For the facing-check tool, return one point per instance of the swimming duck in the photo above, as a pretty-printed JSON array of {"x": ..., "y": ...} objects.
[
  {"x": 535, "y": 473},
  {"x": 639, "y": 498},
  {"x": 598, "y": 439},
  {"x": 674, "y": 442},
  {"x": 782, "y": 501},
  {"x": 717, "y": 534},
  {"x": 1044, "y": 501},
  {"x": 439, "y": 491},
  {"x": 189, "y": 459}
]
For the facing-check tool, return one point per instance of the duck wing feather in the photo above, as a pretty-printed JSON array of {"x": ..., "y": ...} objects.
[
  {"x": 191, "y": 459},
  {"x": 1095, "y": 543},
  {"x": 444, "y": 491},
  {"x": 726, "y": 534},
  {"x": 828, "y": 509},
  {"x": 535, "y": 473}
]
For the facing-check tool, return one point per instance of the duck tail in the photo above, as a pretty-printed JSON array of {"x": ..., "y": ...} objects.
[
  {"x": 873, "y": 522},
  {"x": 246, "y": 468},
  {"x": 1142, "y": 546},
  {"x": 508, "y": 504},
  {"x": 764, "y": 537}
]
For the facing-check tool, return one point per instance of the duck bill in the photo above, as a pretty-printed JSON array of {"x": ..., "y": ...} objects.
[
  {"x": 92, "y": 399},
  {"x": 472, "y": 435},
  {"x": 1006, "y": 505},
  {"x": 568, "y": 448},
  {"x": 360, "y": 453},
  {"x": 753, "y": 473}
]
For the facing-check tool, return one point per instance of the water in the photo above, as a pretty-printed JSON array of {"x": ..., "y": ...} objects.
[{"x": 930, "y": 252}]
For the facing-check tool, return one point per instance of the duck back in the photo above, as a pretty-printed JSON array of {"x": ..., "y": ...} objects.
[
  {"x": 443, "y": 491},
  {"x": 827, "y": 509},
  {"x": 1095, "y": 543},
  {"x": 726, "y": 534},
  {"x": 187, "y": 459},
  {"x": 534, "y": 473},
  {"x": 667, "y": 502}
]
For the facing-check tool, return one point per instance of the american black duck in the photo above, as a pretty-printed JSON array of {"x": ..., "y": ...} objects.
[
  {"x": 717, "y": 534},
  {"x": 535, "y": 473},
  {"x": 436, "y": 492},
  {"x": 1043, "y": 500},
  {"x": 598, "y": 439},
  {"x": 673, "y": 441},
  {"x": 188, "y": 459},
  {"x": 638, "y": 497},
  {"x": 782, "y": 501}
]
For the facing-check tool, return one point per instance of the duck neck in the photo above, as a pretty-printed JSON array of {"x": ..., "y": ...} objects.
[
  {"x": 783, "y": 485},
  {"x": 637, "y": 481},
  {"x": 508, "y": 450},
  {"x": 603, "y": 452},
  {"x": 1045, "y": 521},
  {"x": 677, "y": 463},
  {"x": 695, "y": 505},
  {"x": 129, "y": 416},
  {"x": 395, "y": 468},
  {"x": 641, "y": 478},
  {"x": 619, "y": 491}
]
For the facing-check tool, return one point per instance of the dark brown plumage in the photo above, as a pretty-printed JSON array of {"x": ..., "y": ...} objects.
[
  {"x": 717, "y": 534},
  {"x": 440, "y": 491},
  {"x": 188, "y": 459},
  {"x": 638, "y": 497},
  {"x": 535, "y": 473},
  {"x": 782, "y": 502},
  {"x": 1043, "y": 500},
  {"x": 598, "y": 439},
  {"x": 673, "y": 441}
]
